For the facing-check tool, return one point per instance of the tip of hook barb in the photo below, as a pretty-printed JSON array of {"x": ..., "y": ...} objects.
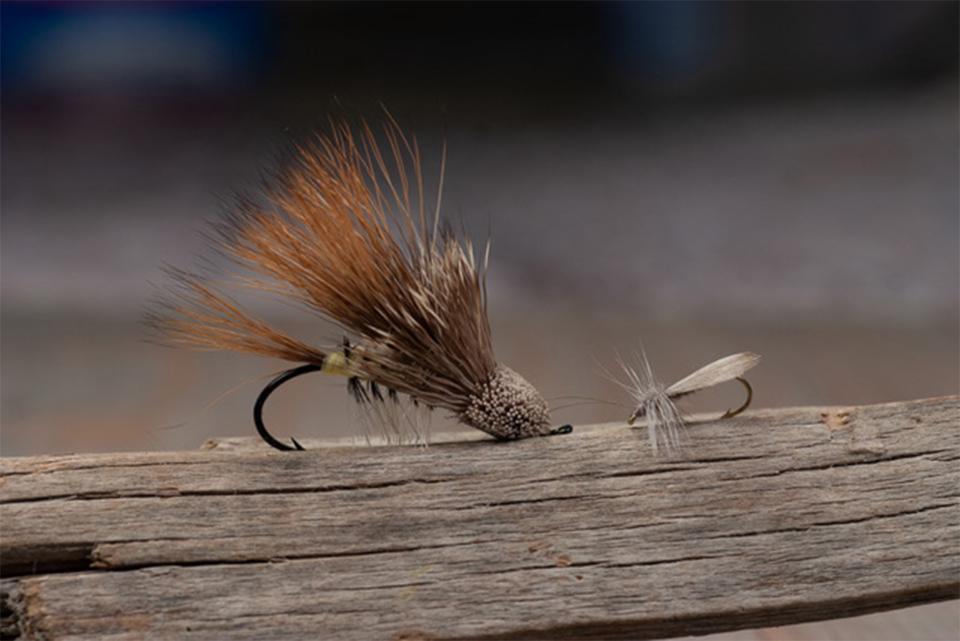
[{"x": 296, "y": 444}]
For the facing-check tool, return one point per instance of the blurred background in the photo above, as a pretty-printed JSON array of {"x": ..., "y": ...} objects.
[{"x": 701, "y": 178}]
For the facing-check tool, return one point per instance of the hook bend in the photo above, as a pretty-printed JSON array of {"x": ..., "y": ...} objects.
[
  {"x": 746, "y": 403},
  {"x": 262, "y": 399}
]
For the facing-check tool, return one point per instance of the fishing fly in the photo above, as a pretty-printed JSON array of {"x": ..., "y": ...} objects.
[
  {"x": 346, "y": 233},
  {"x": 657, "y": 402}
]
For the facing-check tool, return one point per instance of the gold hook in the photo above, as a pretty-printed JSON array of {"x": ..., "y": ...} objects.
[{"x": 746, "y": 403}]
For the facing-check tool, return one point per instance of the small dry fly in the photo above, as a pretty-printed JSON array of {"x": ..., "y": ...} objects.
[
  {"x": 346, "y": 233},
  {"x": 656, "y": 402}
]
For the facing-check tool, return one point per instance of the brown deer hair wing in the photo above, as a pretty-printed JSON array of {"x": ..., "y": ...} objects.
[{"x": 345, "y": 233}]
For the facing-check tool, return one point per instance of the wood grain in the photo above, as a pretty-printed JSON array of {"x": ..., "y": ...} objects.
[{"x": 775, "y": 517}]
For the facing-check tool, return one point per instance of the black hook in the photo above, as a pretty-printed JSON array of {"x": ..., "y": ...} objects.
[
  {"x": 293, "y": 373},
  {"x": 267, "y": 391}
]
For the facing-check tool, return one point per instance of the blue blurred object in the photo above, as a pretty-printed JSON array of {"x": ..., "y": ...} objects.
[
  {"x": 663, "y": 42},
  {"x": 70, "y": 47}
]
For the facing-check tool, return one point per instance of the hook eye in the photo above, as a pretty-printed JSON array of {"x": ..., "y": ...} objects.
[{"x": 563, "y": 429}]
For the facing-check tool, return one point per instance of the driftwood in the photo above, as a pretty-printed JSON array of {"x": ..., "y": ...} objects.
[{"x": 775, "y": 517}]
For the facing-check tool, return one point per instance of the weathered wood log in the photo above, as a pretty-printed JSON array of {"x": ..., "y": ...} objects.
[{"x": 775, "y": 517}]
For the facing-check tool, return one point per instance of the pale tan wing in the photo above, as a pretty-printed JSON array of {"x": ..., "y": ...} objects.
[{"x": 719, "y": 371}]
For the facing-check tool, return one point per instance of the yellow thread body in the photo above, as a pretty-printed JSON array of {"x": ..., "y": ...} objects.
[{"x": 337, "y": 364}]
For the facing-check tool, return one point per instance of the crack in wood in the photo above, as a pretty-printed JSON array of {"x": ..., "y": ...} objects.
[
  {"x": 94, "y": 560},
  {"x": 842, "y": 464},
  {"x": 65, "y": 467},
  {"x": 173, "y": 493},
  {"x": 736, "y": 535},
  {"x": 682, "y": 559},
  {"x": 531, "y": 501}
]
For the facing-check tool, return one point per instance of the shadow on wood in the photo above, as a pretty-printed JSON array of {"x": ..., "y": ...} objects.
[{"x": 775, "y": 517}]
